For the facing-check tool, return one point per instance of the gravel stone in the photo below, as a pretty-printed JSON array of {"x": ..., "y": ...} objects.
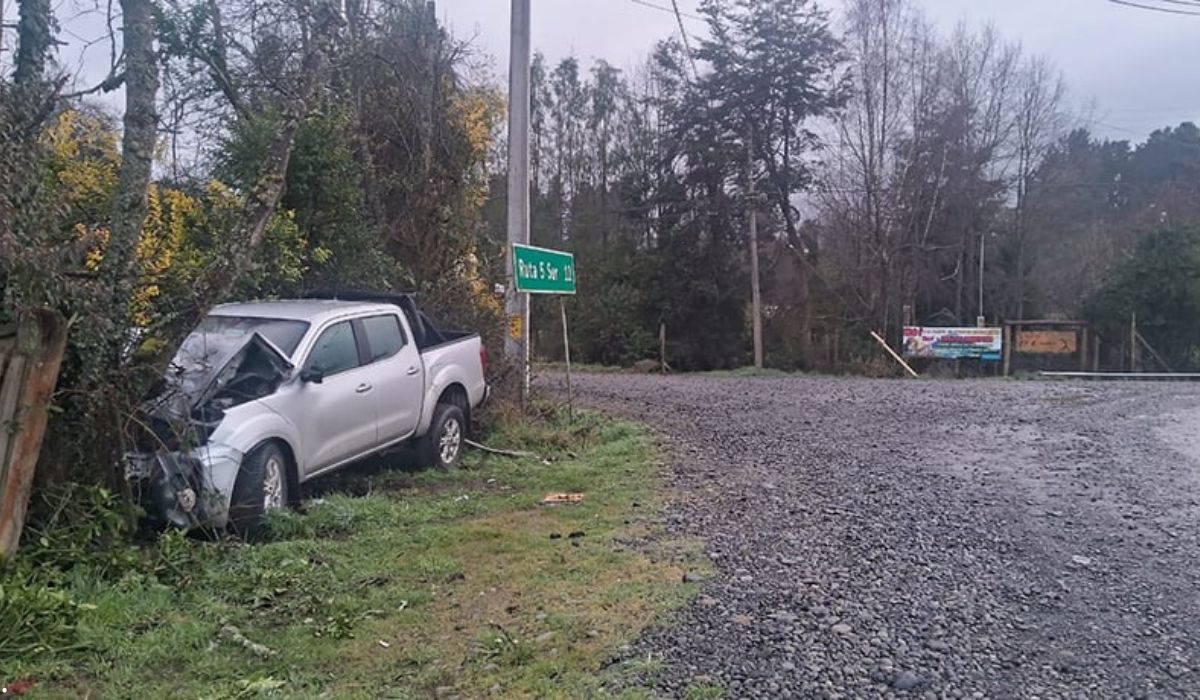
[
  {"x": 906, "y": 680},
  {"x": 978, "y": 538}
]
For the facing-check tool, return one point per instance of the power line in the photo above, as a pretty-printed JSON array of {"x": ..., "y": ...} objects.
[
  {"x": 686, "y": 44},
  {"x": 1168, "y": 10},
  {"x": 664, "y": 8}
]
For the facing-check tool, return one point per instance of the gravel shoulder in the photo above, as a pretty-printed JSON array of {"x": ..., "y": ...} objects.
[{"x": 882, "y": 538}]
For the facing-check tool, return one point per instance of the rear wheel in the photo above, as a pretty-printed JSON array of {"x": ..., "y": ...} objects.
[
  {"x": 442, "y": 446},
  {"x": 261, "y": 486}
]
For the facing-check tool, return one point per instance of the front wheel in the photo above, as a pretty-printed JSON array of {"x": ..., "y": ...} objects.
[
  {"x": 261, "y": 486},
  {"x": 442, "y": 446}
]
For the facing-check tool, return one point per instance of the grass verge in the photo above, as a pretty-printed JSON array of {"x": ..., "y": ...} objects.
[{"x": 394, "y": 583}]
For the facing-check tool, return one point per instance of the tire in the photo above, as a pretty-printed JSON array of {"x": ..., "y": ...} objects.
[
  {"x": 442, "y": 446},
  {"x": 261, "y": 485}
]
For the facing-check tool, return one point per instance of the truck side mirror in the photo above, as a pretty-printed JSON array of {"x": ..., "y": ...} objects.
[{"x": 312, "y": 375}]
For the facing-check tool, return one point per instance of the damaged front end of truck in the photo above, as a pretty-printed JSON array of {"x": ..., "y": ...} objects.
[{"x": 182, "y": 475}]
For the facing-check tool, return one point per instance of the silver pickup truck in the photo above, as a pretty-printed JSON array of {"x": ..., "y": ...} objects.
[{"x": 263, "y": 396}]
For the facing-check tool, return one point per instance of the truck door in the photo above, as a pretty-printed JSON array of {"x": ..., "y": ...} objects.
[
  {"x": 336, "y": 412},
  {"x": 398, "y": 376}
]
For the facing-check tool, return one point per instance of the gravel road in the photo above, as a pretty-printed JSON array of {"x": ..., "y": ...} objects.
[{"x": 936, "y": 539}]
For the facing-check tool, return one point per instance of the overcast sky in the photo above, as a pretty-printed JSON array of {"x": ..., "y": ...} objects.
[
  {"x": 1140, "y": 70},
  {"x": 1137, "y": 69}
]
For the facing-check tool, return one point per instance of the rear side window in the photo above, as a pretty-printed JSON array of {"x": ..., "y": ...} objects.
[
  {"x": 384, "y": 336},
  {"x": 335, "y": 350}
]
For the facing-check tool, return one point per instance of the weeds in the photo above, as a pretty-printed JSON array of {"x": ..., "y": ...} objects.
[
  {"x": 35, "y": 617},
  {"x": 86, "y": 527},
  {"x": 427, "y": 579},
  {"x": 501, "y": 648}
]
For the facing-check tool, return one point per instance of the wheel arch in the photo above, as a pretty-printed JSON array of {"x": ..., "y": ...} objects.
[
  {"x": 455, "y": 393},
  {"x": 293, "y": 467}
]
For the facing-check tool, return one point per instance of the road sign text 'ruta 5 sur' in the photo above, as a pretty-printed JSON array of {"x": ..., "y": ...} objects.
[{"x": 543, "y": 271}]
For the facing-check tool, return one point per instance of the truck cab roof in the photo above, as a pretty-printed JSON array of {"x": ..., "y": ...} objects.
[{"x": 312, "y": 310}]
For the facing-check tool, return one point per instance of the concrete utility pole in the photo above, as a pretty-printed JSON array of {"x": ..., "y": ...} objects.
[
  {"x": 755, "y": 296},
  {"x": 516, "y": 305},
  {"x": 3, "y": 28}
]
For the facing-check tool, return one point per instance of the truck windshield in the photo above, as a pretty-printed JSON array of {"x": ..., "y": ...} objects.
[{"x": 211, "y": 345}]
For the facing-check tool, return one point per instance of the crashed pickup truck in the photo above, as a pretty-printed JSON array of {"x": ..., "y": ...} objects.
[{"x": 264, "y": 396}]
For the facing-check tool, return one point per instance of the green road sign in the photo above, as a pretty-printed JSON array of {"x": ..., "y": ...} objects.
[{"x": 543, "y": 271}]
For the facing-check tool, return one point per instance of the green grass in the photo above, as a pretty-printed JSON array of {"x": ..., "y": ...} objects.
[{"x": 400, "y": 584}]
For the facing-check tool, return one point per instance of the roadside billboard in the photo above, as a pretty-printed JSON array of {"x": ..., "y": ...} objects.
[
  {"x": 1047, "y": 342},
  {"x": 954, "y": 343}
]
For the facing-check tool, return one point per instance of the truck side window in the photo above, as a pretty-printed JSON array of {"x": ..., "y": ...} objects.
[
  {"x": 334, "y": 350},
  {"x": 384, "y": 336}
]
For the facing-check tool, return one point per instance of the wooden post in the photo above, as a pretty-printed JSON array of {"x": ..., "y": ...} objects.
[
  {"x": 1083, "y": 349},
  {"x": 562, "y": 306},
  {"x": 895, "y": 357},
  {"x": 1095, "y": 352},
  {"x": 1007, "y": 340},
  {"x": 27, "y": 383},
  {"x": 1133, "y": 346},
  {"x": 662, "y": 347}
]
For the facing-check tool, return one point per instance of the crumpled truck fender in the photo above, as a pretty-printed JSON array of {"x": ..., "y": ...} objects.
[{"x": 249, "y": 425}]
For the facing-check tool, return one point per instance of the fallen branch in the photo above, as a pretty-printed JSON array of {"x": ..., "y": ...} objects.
[
  {"x": 498, "y": 451},
  {"x": 233, "y": 634}
]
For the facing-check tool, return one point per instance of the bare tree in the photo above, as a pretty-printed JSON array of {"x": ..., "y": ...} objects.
[
  {"x": 864, "y": 169},
  {"x": 1040, "y": 122}
]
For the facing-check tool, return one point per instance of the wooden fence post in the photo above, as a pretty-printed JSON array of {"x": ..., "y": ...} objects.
[
  {"x": 29, "y": 367},
  {"x": 662, "y": 348}
]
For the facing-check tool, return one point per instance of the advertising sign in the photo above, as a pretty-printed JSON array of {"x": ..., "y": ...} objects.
[
  {"x": 1047, "y": 342},
  {"x": 954, "y": 343}
]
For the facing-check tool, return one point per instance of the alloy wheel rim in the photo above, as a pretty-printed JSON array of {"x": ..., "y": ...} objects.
[
  {"x": 272, "y": 484},
  {"x": 450, "y": 441}
]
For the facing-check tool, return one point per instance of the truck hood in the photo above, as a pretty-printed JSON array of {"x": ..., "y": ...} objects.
[{"x": 202, "y": 388}]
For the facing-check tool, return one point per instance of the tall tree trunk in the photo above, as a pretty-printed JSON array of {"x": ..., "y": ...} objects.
[
  {"x": 35, "y": 37},
  {"x": 137, "y": 157}
]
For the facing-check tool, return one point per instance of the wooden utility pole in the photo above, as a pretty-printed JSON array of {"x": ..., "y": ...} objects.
[
  {"x": 516, "y": 304},
  {"x": 755, "y": 295}
]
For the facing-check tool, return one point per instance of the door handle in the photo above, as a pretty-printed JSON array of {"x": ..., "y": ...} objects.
[
  {"x": 413, "y": 370},
  {"x": 362, "y": 388}
]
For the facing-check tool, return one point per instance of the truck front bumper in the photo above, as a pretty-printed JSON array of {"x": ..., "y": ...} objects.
[{"x": 186, "y": 489}]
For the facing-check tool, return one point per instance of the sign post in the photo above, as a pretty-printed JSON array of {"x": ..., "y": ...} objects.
[
  {"x": 545, "y": 271},
  {"x": 562, "y": 307}
]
